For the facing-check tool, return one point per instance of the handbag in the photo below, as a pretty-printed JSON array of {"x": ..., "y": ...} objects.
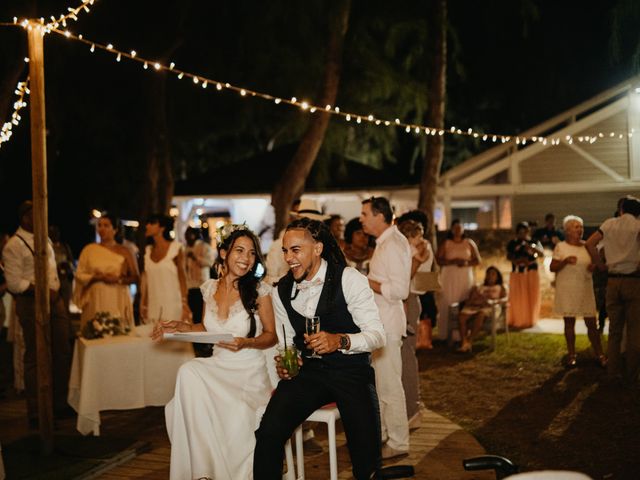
[{"x": 427, "y": 281}]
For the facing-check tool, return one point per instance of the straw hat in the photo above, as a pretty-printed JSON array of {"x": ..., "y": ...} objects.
[{"x": 311, "y": 209}]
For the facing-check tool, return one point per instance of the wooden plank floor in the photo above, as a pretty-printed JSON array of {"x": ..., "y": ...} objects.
[{"x": 437, "y": 447}]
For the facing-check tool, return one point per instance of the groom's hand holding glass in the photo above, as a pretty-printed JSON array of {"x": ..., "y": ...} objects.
[{"x": 324, "y": 342}]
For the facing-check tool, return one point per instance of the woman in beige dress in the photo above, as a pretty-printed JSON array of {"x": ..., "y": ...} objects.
[
  {"x": 105, "y": 271},
  {"x": 457, "y": 257}
]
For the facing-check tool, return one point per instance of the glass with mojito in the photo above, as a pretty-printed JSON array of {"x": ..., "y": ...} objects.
[{"x": 289, "y": 359}]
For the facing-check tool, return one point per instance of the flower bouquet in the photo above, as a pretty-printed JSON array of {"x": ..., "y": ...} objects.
[{"x": 103, "y": 325}]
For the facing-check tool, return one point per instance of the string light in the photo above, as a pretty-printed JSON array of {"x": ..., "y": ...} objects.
[
  {"x": 22, "y": 89},
  {"x": 57, "y": 21},
  {"x": 306, "y": 105},
  {"x": 72, "y": 15}
]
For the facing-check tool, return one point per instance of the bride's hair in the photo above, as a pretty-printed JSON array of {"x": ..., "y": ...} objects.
[{"x": 249, "y": 282}]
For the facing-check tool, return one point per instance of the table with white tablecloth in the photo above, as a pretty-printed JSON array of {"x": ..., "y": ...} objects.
[{"x": 122, "y": 373}]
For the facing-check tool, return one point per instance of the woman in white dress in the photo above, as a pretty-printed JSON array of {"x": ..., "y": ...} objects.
[
  {"x": 213, "y": 415},
  {"x": 164, "y": 282},
  {"x": 574, "y": 288},
  {"x": 457, "y": 256}
]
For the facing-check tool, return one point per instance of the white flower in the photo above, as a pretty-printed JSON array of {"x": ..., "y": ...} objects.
[{"x": 223, "y": 232}]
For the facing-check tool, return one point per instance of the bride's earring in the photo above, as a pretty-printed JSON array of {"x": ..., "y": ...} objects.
[{"x": 220, "y": 269}]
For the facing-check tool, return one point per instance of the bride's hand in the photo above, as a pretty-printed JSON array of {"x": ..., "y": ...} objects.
[
  {"x": 237, "y": 344},
  {"x": 169, "y": 327},
  {"x": 186, "y": 312}
]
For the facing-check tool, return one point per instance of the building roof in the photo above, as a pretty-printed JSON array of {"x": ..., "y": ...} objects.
[{"x": 259, "y": 174}]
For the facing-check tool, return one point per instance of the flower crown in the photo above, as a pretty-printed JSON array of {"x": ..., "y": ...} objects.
[{"x": 225, "y": 231}]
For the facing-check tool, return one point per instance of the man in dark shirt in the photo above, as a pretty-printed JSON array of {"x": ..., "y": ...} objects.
[{"x": 548, "y": 235}]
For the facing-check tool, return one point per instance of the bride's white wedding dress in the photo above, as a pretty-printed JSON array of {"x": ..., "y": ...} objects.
[{"x": 212, "y": 417}]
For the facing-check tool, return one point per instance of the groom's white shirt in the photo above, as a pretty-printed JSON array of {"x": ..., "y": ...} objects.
[{"x": 360, "y": 303}]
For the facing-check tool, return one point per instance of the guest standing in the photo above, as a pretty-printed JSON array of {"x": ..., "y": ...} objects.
[
  {"x": 548, "y": 235},
  {"x": 64, "y": 261},
  {"x": 524, "y": 282},
  {"x": 421, "y": 255},
  {"x": 199, "y": 260},
  {"x": 18, "y": 258},
  {"x": 457, "y": 256},
  {"x": 574, "y": 288},
  {"x": 105, "y": 271},
  {"x": 357, "y": 250},
  {"x": 389, "y": 278},
  {"x": 620, "y": 238},
  {"x": 336, "y": 226},
  {"x": 164, "y": 284}
]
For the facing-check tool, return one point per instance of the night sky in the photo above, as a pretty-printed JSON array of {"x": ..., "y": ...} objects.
[{"x": 512, "y": 64}]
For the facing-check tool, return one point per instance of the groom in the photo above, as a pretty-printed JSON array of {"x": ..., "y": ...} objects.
[{"x": 319, "y": 283}]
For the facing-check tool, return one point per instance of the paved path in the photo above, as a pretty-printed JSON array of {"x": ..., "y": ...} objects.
[{"x": 556, "y": 325}]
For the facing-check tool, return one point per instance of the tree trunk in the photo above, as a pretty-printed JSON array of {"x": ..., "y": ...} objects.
[
  {"x": 157, "y": 192},
  {"x": 291, "y": 184},
  {"x": 435, "y": 115},
  {"x": 158, "y": 188}
]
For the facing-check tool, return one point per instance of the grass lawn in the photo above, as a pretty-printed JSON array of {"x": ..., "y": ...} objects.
[{"x": 520, "y": 402}]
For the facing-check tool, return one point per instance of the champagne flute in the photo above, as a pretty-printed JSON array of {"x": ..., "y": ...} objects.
[{"x": 313, "y": 326}]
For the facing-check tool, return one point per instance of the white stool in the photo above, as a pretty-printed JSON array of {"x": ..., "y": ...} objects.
[
  {"x": 288, "y": 453},
  {"x": 327, "y": 414}
]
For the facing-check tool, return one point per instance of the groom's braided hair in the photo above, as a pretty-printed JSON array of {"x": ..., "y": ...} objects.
[{"x": 331, "y": 251}]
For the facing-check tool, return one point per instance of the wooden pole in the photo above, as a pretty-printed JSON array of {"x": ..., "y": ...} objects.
[{"x": 40, "y": 228}]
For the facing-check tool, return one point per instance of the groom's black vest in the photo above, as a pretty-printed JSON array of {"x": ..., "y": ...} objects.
[{"x": 334, "y": 318}]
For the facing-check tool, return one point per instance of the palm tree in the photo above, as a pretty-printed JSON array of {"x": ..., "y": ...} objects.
[
  {"x": 435, "y": 113},
  {"x": 291, "y": 184}
]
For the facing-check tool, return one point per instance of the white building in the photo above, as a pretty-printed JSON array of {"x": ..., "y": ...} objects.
[{"x": 596, "y": 161}]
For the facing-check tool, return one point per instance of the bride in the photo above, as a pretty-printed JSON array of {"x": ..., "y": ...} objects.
[{"x": 212, "y": 417}]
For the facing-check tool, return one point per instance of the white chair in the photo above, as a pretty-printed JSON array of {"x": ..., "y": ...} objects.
[
  {"x": 496, "y": 320},
  {"x": 288, "y": 454},
  {"x": 328, "y": 414}
]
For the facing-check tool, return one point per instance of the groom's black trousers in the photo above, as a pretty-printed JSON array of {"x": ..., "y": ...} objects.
[{"x": 354, "y": 391}]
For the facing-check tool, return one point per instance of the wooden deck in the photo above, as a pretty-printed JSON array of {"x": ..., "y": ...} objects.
[{"x": 437, "y": 447}]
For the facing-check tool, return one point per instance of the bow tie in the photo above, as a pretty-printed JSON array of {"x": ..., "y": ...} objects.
[{"x": 305, "y": 285}]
